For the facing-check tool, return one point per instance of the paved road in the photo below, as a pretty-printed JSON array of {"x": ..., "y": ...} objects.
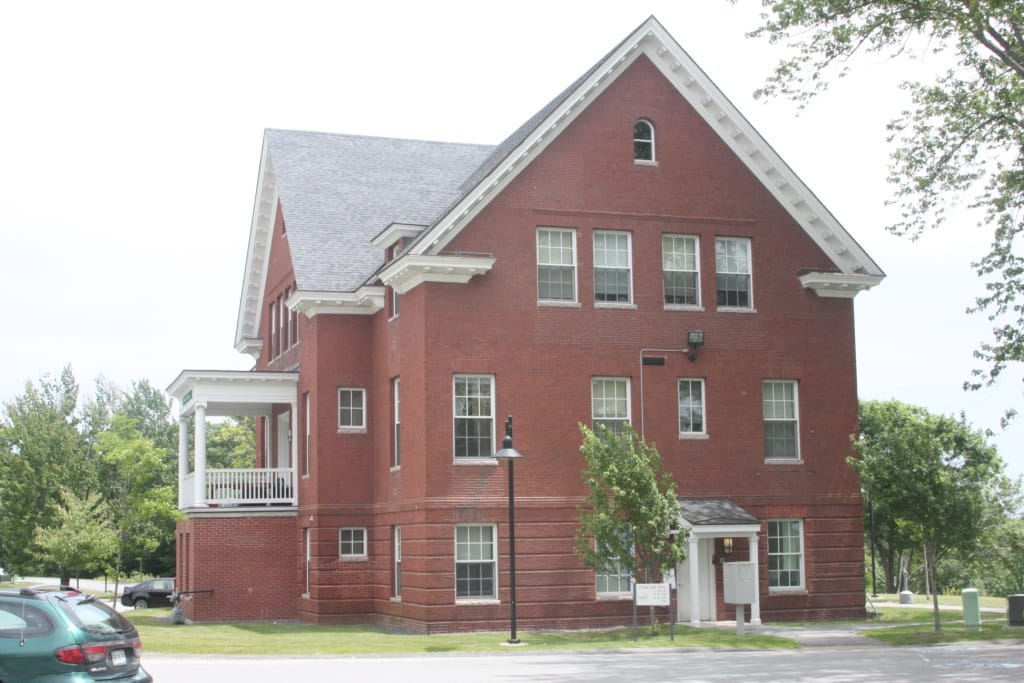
[{"x": 862, "y": 664}]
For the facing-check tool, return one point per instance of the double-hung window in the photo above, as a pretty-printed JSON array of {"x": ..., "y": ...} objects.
[
  {"x": 473, "y": 413},
  {"x": 609, "y": 401},
  {"x": 396, "y": 417},
  {"x": 351, "y": 409},
  {"x": 352, "y": 543},
  {"x": 732, "y": 272},
  {"x": 680, "y": 267},
  {"x": 556, "y": 264},
  {"x": 691, "y": 407},
  {"x": 475, "y": 562},
  {"x": 396, "y": 557},
  {"x": 781, "y": 420},
  {"x": 785, "y": 554},
  {"x": 613, "y": 579},
  {"x": 612, "y": 267}
]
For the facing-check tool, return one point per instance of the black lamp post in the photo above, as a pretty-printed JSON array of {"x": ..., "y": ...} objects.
[{"x": 511, "y": 455}]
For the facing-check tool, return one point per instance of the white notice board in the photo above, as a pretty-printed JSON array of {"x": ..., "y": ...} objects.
[{"x": 656, "y": 594}]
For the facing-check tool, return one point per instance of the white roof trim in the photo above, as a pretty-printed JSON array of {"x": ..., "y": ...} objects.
[
  {"x": 366, "y": 300},
  {"x": 409, "y": 271},
  {"x": 232, "y": 392},
  {"x": 839, "y": 285},
  {"x": 261, "y": 234},
  {"x": 652, "y": 40},
  {"x": 395, "y": 232}
]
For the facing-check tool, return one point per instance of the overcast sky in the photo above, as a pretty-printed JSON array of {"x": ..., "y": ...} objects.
[{"x": 131, "y": 135}]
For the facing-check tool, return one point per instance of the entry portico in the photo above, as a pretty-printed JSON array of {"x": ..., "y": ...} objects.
[
  {"x": 222, "y": 393},
  {"x": 707, "y": 520}
]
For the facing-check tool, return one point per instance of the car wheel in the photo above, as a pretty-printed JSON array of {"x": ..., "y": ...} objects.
[{"x": 140, "y": 603}]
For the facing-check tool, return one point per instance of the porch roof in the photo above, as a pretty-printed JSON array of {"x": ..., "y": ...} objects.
[
  {"x": 713, "y": 516},
  {"x": 232, "y": 393}
]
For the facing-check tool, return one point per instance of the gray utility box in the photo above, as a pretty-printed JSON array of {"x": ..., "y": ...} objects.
[
  {"x": 1015, "y": 610},
  {"x": 738, "y": 580}
]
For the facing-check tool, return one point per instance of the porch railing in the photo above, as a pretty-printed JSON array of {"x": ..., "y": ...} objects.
[
  {"x": 229, "y": 487},
  {"x": 241, "y": 487}
]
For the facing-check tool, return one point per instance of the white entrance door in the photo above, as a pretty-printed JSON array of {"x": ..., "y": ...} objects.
[
  {"x": 283, "y": 455},
  {"x": 706, "y": 585}
]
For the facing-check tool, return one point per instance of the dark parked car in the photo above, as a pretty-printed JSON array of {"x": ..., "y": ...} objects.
[
  {"x": 151, "y": 593},
  {"x": 50, "y": 635}
]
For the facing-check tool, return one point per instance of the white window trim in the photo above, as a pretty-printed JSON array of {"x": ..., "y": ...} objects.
[
  {"x": 455, "y": 556},
  {"x": 703, "y": 434},
  {"x": 798, "y": 459},
  {"x": 352, "y": 429},
  {"x": 750, "y": 264},
  {"x": 802, "y": 588},
  {"x": 699, "y": 306},
  {"x": 575, "y": 301},
  {"x": 481, "y": 460},
  {"x": 630, "y": 303},
  {"x": 352, "y": 557},
  {"x": 629, "y": 398}
]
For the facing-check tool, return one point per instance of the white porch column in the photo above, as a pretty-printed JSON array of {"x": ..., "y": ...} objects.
[
  {"x": 182, "y": 459},
  {"x": 691, "y": 560},
  {"x": 200, "y": 475},
  {"x": 755, "y": 609}
]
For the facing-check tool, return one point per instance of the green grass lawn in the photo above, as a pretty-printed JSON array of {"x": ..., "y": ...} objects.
[
  {"x": 159, "y": 635},
  {"x": 894, "y": 626}
]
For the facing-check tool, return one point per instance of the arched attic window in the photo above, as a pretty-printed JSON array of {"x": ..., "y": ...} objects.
[{"x": 643, "y": 142}]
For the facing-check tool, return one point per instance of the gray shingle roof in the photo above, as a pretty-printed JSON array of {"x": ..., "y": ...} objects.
[
  {"x": 338, "y": 192},
  {"x": 714, "y": 511}
]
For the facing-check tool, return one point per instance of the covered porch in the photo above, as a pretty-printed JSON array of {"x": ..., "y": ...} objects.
[
  {"x": 268, "y": 396},
  {"x": 707, "y": 520}
]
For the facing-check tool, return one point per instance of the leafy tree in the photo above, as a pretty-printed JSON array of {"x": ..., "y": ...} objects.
[
  {"x": 962, "y": 139},
  {"x": 938, "y": 479},
  {"x": 631, "y": 507},
  {"x": 81, "y": 538},
  {"x": 40, "y": 454},
  {"x": 231, "y": 444},
  {"x": 142, "y": 507}
]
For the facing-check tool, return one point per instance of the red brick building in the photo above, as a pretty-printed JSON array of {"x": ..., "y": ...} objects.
[{"x": 402, "y": 297}]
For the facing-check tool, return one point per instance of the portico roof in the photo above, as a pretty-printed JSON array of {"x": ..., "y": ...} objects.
[
  {"x": 716, "y": 515},
  {"x": 232, "y": 393}
]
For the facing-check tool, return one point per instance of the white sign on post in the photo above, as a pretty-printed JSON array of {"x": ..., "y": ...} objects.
[{"x": 652, "y": 594}]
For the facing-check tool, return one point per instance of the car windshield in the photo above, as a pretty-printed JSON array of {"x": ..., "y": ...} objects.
[{"x": 95, "y": 617}]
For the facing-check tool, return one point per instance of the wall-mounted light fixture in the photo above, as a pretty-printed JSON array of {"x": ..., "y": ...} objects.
[
  {"x": 727, "y": 545},
  {"x": 694, "y": 340}
]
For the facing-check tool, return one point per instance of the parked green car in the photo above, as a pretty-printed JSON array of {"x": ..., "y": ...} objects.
[{"x": 63, "y": 636}]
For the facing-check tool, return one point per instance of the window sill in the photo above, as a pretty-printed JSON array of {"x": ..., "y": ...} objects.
[
  {"x": 694, "y": 308},
  {"x": 395, "y": 468},
  {"x": 736, "y": 309},
  {"x": 351, "y": 430},
  {"x": 469, "y": 602},
  {"x": 687, "y": 436},
  {"x": 784, "y": 592},
  {"x": 474, "y": 462},
  {"x": 614, "y": 597},
  {"x": 644, "y": 162},
  {"x": 354, "y": 558},
  {"x": 783, "y": 461},
  {"x": 615, "y": 305},
  {"x": 396, "y": 599},
  {"x": 558, "y": 304}
]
